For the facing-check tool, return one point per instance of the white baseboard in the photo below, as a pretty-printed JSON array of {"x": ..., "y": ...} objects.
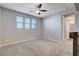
[
  {"x": 28, "y": 40},
  {"x": 16, "y": 42},
  {"x": 59, "y": 41}
]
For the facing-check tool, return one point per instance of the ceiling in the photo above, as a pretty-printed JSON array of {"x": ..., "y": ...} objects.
[{"x": 29, "y": 8}]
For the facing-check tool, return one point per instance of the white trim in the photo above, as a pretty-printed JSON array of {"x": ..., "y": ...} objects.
[
  {"x": 15, "y": 42},
  {"x": 58, "y": 41},
  {"x": 62, "y": 19}
]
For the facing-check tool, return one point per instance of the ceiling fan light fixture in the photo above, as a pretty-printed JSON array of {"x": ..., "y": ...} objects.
[{"x": 37, "y": 11}]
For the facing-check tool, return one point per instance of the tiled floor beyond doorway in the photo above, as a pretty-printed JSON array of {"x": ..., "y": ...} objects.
[{"x": 39, "y": 47}]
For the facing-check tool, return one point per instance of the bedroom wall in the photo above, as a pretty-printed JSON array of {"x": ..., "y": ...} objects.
[
  {"x": 0, "y": 26},
  {"x": 10, "y": 33},
  {"x": 77, "y": 23},
  {"x": 53, "y": 26}
]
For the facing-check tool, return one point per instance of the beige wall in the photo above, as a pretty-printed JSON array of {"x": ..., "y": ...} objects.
[{"x": 10, "y": 33}]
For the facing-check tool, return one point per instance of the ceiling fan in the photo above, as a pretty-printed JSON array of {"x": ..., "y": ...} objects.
[{"x": 39, "y": 10}]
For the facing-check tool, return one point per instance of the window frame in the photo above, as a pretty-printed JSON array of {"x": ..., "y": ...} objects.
[
  {"x": 19, "y": 22},
  {"x": 23, "y": 23},
  {"x": 33, "y": 23},
  {"x": 27, "y": 23}
]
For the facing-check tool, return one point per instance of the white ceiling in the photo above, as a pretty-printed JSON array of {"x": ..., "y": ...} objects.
[{"x": 51, "y": 8}]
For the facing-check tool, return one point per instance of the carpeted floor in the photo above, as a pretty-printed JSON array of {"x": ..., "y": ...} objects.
[{"x": 39, "y": 47}]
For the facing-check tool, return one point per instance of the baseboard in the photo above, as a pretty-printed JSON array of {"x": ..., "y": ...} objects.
[
  {"x": 28, "y": 40},
  {"x": 59, "y": 41},
  {"x": 16, "y": 42}
]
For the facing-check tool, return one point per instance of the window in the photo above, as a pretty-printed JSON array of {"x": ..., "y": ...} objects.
[
  {"x": 25, "y": 23},
  {"x": 33, "y": 24},
  {"x": 19, "y": 22}
]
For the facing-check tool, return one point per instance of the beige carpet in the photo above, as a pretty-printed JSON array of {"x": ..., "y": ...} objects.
[{"x": 40, "y": 47}]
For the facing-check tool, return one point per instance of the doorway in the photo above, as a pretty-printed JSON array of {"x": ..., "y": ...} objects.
[{"x": 69, "y": 25}]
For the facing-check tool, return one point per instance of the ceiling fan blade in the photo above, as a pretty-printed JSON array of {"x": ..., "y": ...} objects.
[
  {"x": 39, "y": 6},
  {"x": 43, "y": 10}
]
